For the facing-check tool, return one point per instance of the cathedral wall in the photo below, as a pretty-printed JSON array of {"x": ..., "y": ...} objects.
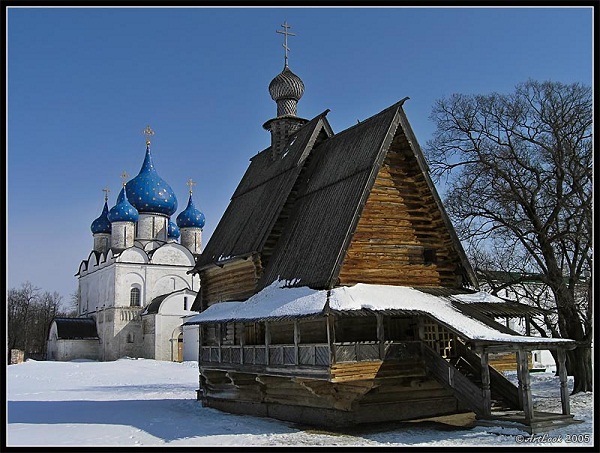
[
  {"x": 178, "y": 304},
  {"x": 122, "y": 236},
  {"x": 165, "y": 284},
  {"x": 168, "y": 328},
  {"x": 102, "y": 242},
  {"x": 128, "y": 276},
  {"x": 151, "y": 227},
  {"x": 96, "y": 289},
  {"x": 148, "y": 332},
  {"x": 121, "y": 332},
  {"x": 173, "y": 255},
  {"x": 191, "y": 238}
]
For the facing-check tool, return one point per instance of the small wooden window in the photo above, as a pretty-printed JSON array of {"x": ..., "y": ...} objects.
[{"x": 429, "y": 256}]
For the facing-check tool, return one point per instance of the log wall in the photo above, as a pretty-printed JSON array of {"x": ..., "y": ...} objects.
[
  {"x": 235, "y": 281},
  {"x": 356, "y": 393},
  {"x": 401, "y": 237}
]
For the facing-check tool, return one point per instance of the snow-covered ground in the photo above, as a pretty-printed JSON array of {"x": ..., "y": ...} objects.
[{"x": 133, "y": 402}]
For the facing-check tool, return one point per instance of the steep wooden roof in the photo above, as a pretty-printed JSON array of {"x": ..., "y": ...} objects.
[
  {"x": 332, "y": 179},
  {"x": 329, "y": 206},
  {"x": 315, "y": 242},
  {"x": 260, "y": 197}
]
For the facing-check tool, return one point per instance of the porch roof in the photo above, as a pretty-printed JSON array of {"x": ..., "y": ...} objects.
[{"x": 278, "y": 301}]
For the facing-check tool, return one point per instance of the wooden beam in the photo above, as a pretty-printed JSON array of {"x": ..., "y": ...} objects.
[
  {"x": 525, "y": 384},
  {"x": 485, "y": 384},
  {"x": 296, "y": 342},
  {"x": 242, "y": 342},
  {"x": 330, "y": 337},
  {"x": 380, "y": 335},
  {"x": 267, "y": 342},
  {"x": 219, "y": 339},
  {"x": 200, "y": 331},
  {"x": 562, "y": 373}
]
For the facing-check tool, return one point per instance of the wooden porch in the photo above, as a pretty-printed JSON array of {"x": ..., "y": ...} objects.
[{"x": 261, "y": 366}]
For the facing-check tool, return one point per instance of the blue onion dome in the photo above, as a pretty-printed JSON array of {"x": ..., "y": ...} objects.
[
  {"x": 123, "y": 211},
  {"x": 148, "y": 192},
  {"x": 102, "y": 224},
  {"x": 173, "y": 230},
  {"x": 286, "y": 85},
  {"x": 191, "y": 217}
]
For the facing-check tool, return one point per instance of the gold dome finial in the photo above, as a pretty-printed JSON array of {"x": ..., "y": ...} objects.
[
  {"x": 148, "y": 132},
  {"x": 124, "y": 177},
  {"x": 190, "y": 183}
]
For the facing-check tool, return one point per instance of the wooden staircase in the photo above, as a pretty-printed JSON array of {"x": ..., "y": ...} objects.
[{"x": 463, "y": 375}]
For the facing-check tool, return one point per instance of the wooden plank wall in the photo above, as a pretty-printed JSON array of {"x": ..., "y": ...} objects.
[
  {"x": 398, "y": 225},
  {"x": 507, "y": 361},
  {"x": 234, "y": 281},
  {"x": 351, "y": 385}
]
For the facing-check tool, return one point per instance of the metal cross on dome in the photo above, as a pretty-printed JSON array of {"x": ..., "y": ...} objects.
[
  {"x": 124, "y": 177},
  {"x": 190, "y": 183},
  {"x": 106, "y": 190},
  {"x": 148, "y": 132},
  {"x": 286, "y": 33}
]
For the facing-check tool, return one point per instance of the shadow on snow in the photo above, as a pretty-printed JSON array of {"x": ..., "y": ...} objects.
[{"x": 167, "y": 419}]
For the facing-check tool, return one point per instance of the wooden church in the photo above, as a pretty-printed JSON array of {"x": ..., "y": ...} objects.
[{"x": 335, "y": 291}]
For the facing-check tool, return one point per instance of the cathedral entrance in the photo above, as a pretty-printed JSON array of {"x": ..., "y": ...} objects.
[{"x": 180, "y": 347}]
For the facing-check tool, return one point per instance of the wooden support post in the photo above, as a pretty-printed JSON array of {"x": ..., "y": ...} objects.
[
  {"x": 380, "y": 335},
  {"x": 330, "y": 337},
  {"x": 296, "y": 341},
  {"x": 200, "y": 330},
  {"x": 267, "y": 342},
  {"x": 219, "y": 339},
  {"x": 485, "y": 383},
  {"x": 242, "y": 341},
  {"x": 525, "y": 384},
  {"x": 562, "y": 373}
]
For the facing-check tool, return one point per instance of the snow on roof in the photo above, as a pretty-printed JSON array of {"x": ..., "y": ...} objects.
[
  {"x": 480, "y": 296},
  {"x": 272, "y": 302},
  {"x": 278, "y": 301}
]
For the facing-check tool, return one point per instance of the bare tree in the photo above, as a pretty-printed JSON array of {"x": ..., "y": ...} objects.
[
  {"x": 29, "y": 314},
  {"x": 519, "y": 174},
  {"x": 20, "y": 304}
]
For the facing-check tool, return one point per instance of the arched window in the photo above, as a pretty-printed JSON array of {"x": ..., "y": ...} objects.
[{"x": 134, "y": 297}]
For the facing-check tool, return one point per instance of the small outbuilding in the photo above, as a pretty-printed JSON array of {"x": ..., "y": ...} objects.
[{"x": 73, "y": 338}]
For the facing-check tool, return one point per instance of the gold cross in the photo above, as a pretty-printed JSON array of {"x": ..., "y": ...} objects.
[
  {"x": 124, "y": 177},
  {"x": 148, "y": 132},
  {"x": 106, "y": 190},
  {"x": 191, "y": 183},
  {"x": 286, "y": 33}
]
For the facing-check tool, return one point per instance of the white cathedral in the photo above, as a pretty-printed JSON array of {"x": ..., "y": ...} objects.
[{"x": 134, "y": 288}]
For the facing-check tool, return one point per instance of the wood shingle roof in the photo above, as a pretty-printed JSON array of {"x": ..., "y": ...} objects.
[
  {"x": 298, "y": 212},
  {"x": 260, "y": 196}
]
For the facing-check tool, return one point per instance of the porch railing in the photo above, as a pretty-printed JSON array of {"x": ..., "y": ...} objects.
[{"x": 317, "y": 354}]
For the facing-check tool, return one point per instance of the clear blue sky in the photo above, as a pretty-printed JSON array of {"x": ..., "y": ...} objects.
[{"x": 84, "y": 82}]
